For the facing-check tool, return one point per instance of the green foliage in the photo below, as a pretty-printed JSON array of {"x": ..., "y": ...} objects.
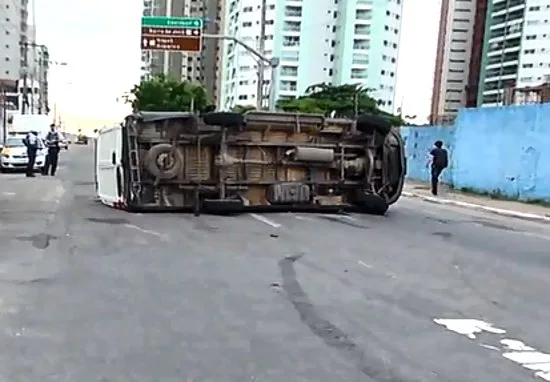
[
  {"x": 165, "y": 94},
  {"x": 243, "y": 108},
  {"x": 345, "y": 101}
]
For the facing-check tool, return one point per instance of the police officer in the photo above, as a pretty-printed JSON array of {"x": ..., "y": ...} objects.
[
  {"x": 31, "y": 142},
  {"x": 53, "y": 139}
]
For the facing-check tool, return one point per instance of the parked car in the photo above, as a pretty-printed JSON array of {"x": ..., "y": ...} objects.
[
  {"x": 14, "y": 155},
  {"x": 81, "y": 139}
]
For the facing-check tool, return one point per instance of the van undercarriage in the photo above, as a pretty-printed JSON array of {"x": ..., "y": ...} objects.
[{"x": 261, "y": 161}]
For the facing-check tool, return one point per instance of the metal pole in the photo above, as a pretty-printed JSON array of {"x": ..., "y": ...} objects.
[
  {"x": 272, "y": 62},
  {"x": 25, "y": 75},
  {"x": 40, "y": 79},
  {"x": 4, "y": 116},
  {"x": 261, "y": 64}
]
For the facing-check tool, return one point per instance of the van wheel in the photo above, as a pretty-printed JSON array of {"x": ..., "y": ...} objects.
[
  {"x": 164, "y": 161},
  {"x": 372, "y": 204},
  {"x": 371, "y": 123},
  {"x": 224, "y": 119}
]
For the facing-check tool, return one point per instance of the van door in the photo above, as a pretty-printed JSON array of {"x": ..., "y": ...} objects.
[{"x": 108, "y": 165}]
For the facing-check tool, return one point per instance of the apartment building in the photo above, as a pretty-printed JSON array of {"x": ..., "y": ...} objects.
[
  {"x": 317, "y": 41},
  {"x": 457, "y": 58},
  {"x": 203, "y": 67},
  {"x": 516, "y": 52},
  {"x": 13, "y": 31}
]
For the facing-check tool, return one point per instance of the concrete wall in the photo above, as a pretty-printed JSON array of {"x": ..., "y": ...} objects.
[
  {"x": 419, "y": 142},
  {"x": 498, "y": 150}
]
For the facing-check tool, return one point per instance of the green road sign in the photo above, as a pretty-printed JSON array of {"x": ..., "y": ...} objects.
[{"x": 172, "y": 22}]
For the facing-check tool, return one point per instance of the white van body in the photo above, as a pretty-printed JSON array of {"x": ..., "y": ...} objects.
[
  {"x": 109, "y": 174},
  {"x": 23, "y": 123}
]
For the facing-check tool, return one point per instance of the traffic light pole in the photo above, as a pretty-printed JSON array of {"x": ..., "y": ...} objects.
[{"x": 272, "y": 62}]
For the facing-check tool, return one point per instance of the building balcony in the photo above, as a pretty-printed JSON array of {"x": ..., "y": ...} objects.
[
  {"x": 496, "y": 53},
  {"x": 501, "y": 78},
  {"x": 510, "y": 36},
  {"x": 504, "y": 63},
  {"x": 511, "y": 9}
]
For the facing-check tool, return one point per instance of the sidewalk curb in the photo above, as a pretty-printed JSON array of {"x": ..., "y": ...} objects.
[{"x": 479, "y": 207}]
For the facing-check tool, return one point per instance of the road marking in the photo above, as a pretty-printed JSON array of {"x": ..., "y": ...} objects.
[
  {"x": 8, "y": 193},
  {"x": 157, "y": 234},
  {"x": 266, "y": 220},
  {"x": 300, "y": 217},
  {"x": 490, "y": 347},
  {"x": 468, "y": 327},
  {"x": 365, "y": 265},
  {"x": 513, "y": 350}
]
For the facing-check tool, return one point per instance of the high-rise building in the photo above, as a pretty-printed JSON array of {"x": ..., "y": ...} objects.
[
  {"x": 203, "y": 67},
  {"x": 458, "y": 51},
  {"x": 516, "y": 51},
  {"x": 13, "y": 32},
  {"x": 317, "y": 41}
]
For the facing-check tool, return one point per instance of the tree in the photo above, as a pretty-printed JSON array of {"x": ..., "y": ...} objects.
[
  {"x": 165, "y": 94},
  {"x": 243, "y": 108},
  {"x": 344, "y": 101}
]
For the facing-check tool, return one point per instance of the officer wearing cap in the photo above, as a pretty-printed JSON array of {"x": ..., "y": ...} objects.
[{"x": 31, "y": 142}]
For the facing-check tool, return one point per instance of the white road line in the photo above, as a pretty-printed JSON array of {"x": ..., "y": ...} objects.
[
  {"x": 338, "y": 216},
  {"x": 365, "y": 265},
  {"x": 157, "y": 234},
  {"x": 468, "y": 327},
  {"x": 513, "y": 350},
  {"x": 490, "y": 347},
  {"x": 300, "y": 217},
  {"x": 265, "y": 220}
]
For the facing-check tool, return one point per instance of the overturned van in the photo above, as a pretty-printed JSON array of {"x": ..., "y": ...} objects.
[{"x": 259, "y": 161}]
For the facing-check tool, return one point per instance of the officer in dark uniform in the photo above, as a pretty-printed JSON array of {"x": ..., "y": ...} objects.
[
  {"x": 52, "y": 142},
  {"x": 31, "y": 142}
]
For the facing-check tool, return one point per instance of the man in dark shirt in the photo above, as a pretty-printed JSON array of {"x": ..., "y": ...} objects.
[
  {"x": 52, "y": 142},
  {"x": 440, "y": 161}
]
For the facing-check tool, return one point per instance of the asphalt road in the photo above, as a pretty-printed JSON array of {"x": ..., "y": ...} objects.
[{"x": 93, "y": 294}]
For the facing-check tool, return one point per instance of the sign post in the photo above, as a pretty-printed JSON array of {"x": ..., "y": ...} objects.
[{"x": 171, "y": 34}]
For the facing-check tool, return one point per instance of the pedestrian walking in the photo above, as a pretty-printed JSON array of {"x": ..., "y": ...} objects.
[
  {"x": 53, "y": 140},
  {"x": 440, "y": 161},
  {"x": 32, "y": 144}
]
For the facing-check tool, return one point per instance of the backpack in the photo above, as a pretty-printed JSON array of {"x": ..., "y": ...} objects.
[{"x": 442, "y": 159}]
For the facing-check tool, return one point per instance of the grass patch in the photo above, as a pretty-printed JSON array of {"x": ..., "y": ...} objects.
[{"x": 499, "y": 195}]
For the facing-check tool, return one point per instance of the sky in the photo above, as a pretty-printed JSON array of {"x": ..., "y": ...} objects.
[{"x": 99, "y": 41}]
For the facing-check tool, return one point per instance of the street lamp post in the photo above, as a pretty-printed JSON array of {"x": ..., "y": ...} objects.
[{"x": 273, "y": 63}]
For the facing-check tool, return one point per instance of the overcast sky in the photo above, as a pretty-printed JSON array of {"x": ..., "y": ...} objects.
[{"x": 99, "y": 41}]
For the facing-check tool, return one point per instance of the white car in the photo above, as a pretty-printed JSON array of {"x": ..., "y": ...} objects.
[{"x": 13, "y": 156}]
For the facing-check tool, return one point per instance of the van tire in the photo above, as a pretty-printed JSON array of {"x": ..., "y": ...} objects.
[
  {"x": 224, "y": 119},
  {"x": 371, "y": 204},
  {"x": 152, "y": 156},
  {"x": 371, "y": 123}
]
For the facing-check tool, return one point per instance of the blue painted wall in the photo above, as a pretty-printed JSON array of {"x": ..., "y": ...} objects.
[
  {"x": 419, "y": 141},
  {"x": 498, "y": 150}
]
